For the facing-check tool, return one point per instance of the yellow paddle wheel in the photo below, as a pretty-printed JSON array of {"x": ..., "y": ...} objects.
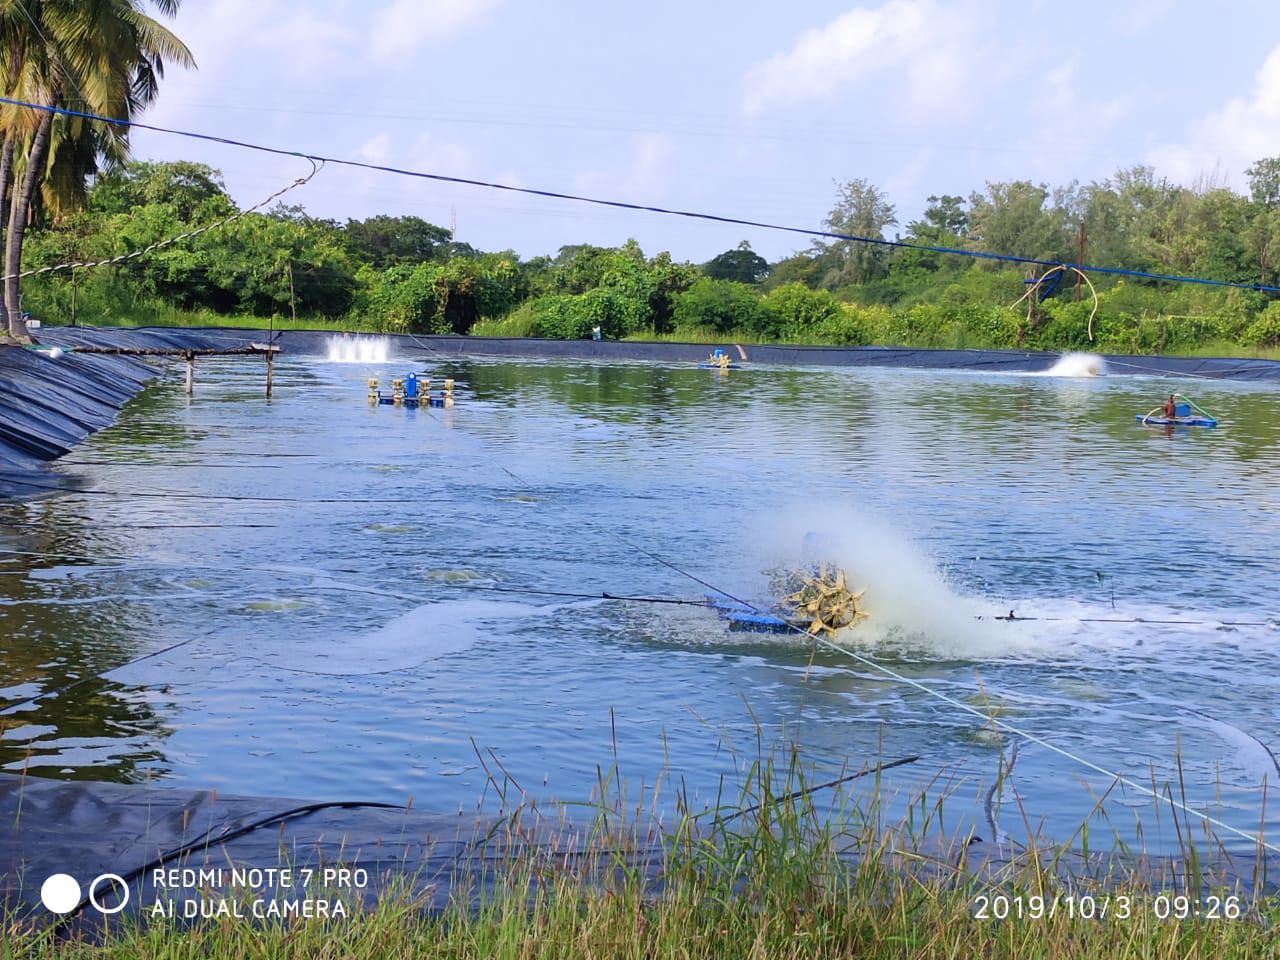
[{"x": 826, "y": 602}]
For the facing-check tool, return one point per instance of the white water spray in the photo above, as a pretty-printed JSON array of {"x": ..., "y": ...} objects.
[
  {"x": 1078, "y": 365},
  {"x": 349, "y": 349},
  {"x": 427, "y": 632},
  {"x": 909, "y": 602}
]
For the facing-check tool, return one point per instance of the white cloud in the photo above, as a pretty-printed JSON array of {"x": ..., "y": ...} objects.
[
  {"x": 645, "y": 177},
  {"x": 907, "y": 180},
  {"x": 432, "y": 155},
  {"x": 928, "y": 48},
  {"x": 403, "y": 26},
  {"x": 1243, "y": 130},
  {"x": 1138, "y": 16},
  {"x": 376, "y": 149},
  {"x": 1049, "y": 153}
]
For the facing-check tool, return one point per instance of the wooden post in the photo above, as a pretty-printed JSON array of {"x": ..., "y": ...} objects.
[
  {"x": 269, "y": 350},
  {"x": 191, "y": 372}
]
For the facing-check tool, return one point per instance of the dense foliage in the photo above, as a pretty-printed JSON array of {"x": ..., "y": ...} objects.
[
  {"x": 403, "y": 274},
  {"x": 106, "y": 58}
]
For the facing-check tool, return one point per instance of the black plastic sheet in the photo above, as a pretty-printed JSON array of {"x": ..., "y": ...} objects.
[
  {"x": 50, "y": 403},
  {"x": 106, "y": 836}
]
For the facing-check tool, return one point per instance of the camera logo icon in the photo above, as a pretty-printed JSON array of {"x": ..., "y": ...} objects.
[{"x": 61, "y": 893}]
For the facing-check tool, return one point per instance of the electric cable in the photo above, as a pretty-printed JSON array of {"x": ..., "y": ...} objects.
[
  {"x": 644, "y": 208},
  {"x": 177, "y": 495},
  {"x": 169, "y": 241},
  {"x": 1254, "y": 838},
  {"x": 208, "y": 839}
]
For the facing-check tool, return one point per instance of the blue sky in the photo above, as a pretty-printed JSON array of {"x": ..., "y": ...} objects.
[{"x": 747, "y": 109}]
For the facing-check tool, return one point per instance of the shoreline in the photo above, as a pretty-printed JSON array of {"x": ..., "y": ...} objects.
[{"x": 195, "y": 855}]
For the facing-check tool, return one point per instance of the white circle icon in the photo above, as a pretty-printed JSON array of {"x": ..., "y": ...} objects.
[
  {"x": 93, "y": 893},
  {"x": 60, "y": 893}
]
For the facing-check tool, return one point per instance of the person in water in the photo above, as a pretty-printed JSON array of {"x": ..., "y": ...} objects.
[{"x": 1170, "y": 407}]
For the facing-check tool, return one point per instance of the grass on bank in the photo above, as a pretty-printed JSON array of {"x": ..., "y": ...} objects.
[
  {"x": 778, "y": 873},
  {"x": 158, "y": 315}
]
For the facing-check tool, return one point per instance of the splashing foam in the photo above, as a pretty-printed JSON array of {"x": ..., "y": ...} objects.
[
  {"x": 909, "y": 601},
  {"x": 426, "y": 632},
  {"x": 1078, "y": 365},
  {"x": 349, "y": 349}
]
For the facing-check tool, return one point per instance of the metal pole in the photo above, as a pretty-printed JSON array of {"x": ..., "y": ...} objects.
[
  {"x": 271, "y": 356},
  {"x": 191, "y": 372}
]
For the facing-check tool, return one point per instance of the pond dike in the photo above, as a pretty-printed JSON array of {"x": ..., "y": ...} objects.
[
  {"x": 995, "y": 361},
  {"x": 183, "y": 848},
  {"x": 49, "y": 404},
  {"x": 748, "y": 355}
]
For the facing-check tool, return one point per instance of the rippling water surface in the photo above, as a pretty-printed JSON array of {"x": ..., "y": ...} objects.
[{"x": 332, "y": 566}]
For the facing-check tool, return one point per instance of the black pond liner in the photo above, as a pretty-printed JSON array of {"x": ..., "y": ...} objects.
[
  {"x": 49, "y": 404},
  {"x": 140, "y": 834}
]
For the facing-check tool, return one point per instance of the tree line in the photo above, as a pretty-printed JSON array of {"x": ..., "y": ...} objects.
[
  {"x": 403, "y": 274},
  {"x": 70, "y": 194},
  {"x": 104, "y": 57}
]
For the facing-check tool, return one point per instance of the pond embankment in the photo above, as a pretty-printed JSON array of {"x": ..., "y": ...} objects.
[{"x": 52, "y": 397}]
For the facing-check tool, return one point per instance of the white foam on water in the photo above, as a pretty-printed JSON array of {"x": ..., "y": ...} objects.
[
  {"x": 913, "y": 609},
  {"x": 357, "y": 349},
  {"x": 1251, "y": 756},
  {"x": 908, "y": 600},
  {"x": 426, "y": 632},
  {"x": 1077, "y": 365}
]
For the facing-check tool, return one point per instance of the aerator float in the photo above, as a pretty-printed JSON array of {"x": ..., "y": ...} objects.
[
  {"x": 409, "y": 391},
  {"x": 817, "y": 601},
  {"x": 718, "y": 360},
  {"x": 1182, "y": 411}
]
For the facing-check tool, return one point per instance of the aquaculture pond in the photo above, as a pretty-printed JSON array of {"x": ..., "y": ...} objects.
[{"x": 343, "y": 583}]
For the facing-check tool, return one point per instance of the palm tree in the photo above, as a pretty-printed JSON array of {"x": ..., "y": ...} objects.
[{"x": 104, "y": 57}]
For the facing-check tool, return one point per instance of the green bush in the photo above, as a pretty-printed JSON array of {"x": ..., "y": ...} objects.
[
  {"x": 798, "y": 310},
  {"x": 724, "y": 306},
  {"x": 441, "y": 297},
  {"x": 571, "y": 316},
  {"x": 983, "y": 287},
  {"x": 1265, "y": 330},
  {"x": 1062, "y": 325},
  {"x": 851, "y": 326}
]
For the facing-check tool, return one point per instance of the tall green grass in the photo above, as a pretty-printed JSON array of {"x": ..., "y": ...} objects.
[
  {"x": 785, "y": 868},
  {"x": 163, "y": 316}
]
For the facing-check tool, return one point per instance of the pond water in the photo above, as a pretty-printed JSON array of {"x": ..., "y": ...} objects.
[{"x": 330, "y": 567}]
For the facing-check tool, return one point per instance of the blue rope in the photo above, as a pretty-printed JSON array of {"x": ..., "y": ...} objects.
[{"x": 619, "y": 204}]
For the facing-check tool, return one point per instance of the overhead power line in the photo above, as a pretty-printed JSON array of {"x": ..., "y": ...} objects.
[
  {"x": 169, "y": 241},
  {"x": 643, "y": 208}
]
